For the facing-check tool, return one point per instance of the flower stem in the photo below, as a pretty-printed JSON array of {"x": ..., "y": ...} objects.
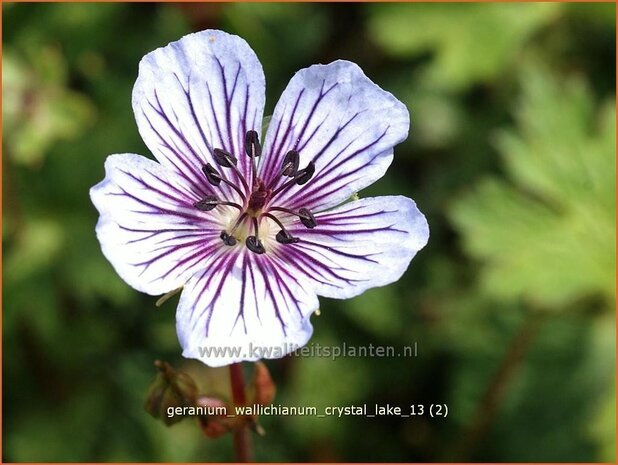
[{"x": 242, "y": 436}]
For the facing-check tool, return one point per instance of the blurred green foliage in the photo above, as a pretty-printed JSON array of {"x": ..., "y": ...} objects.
[
  {"x": 511, "y": 156},
  {"x": 39, "y": 108}
]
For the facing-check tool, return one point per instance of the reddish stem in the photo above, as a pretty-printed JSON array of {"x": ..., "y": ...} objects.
[{"x": 242, "y": 436}]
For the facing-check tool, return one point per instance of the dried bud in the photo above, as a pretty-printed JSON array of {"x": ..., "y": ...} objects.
[{"x": 169, "y": 390}]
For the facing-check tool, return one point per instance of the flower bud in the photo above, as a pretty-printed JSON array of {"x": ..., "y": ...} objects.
[{"x": 213, "y": 426}]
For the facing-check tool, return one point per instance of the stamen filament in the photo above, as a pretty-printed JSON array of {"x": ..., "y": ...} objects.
[
  {"x": 256, "y": 228},
  {"x": 274, "y": 218},
  {"x": 289, "y": 167},
  {"x": 231, "y": 204},
  {"x": 228, "y": 238},
  {"x": 283, "y": 187},
  {"x": 285, "y": 210},
  {"x": 235, "y": 187},
  {"x": 238, "y": 221},
  {"x": 210, "y": 202},
  {"x": 304, "y": 214},
  {"x": 215, "y": 178},
  {"x": 283, "y": 236},
  {"x": 241, "y": 177}
]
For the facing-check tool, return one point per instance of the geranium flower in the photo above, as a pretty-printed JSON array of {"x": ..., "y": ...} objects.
[{"x": 254, "y": 233}]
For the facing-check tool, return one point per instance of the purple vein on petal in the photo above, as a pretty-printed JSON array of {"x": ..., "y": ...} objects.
[
  {"x": 271, "y": 294},
  {"x": 196, "y": 120},
  {"x": 220, "y": 268},
  {"x": 365, "y": 257},
  {"x": 285, "y": 289},
  {"x": 151, "y": 187},
  {"x": 197, "y": 159},
  {"x": 241, "y": 306},
  {"x": 188, "y": 168},
  {"x": 312, "y": 111},
  {"x": 228, "y": 103},
  {"x": 294, "y": 255},
  {"x": 157, "y": 209},
  {"x": 257, "y": 308},
  {"x": 186, "y": 262}
]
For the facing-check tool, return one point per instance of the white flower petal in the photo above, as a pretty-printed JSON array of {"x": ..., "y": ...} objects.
[
  {"x": 357, "y": 246},
  {"x": 243, "y": 307},
  {"x": 337, "y": 117},
  {"x": 148, "y": 228},
  {"x": 202, "y": 92}
]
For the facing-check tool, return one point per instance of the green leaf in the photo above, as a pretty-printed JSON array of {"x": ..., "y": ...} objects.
[
  {"x": 40, "y": 108},
  {"x": 39, "y": 245},
  {"x": 468, "y": 42},
  {"x": 549, "y": 234}
]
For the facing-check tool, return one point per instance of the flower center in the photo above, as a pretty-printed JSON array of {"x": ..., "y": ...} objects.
[{"x": 256, "y": 208}]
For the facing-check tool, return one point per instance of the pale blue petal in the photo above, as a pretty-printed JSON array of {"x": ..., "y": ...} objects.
[
  {"x": 202, "y": 92},
  {"x": 148, "y": 228},
  {"x": 362, "y": 244},
  {"x": 338, "y": 118},
  {"x": 244, "y": 307}
]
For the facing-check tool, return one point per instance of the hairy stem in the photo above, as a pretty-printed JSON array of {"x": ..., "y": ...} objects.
[{"x": 243, "y": 449}]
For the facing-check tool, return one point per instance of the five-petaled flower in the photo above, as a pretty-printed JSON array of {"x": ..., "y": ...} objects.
[{"x": 254, "y": 232}]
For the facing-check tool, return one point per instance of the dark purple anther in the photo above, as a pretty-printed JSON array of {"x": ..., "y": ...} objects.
[
  {"x": 255, "y": 245},
  {"x": 227, "y": 239},
  {"x": 305, "y": 174},
  {"x": 207, "y": 203},
  {"x": 252, "y": 144},
  {"x": 211, "y": 174},
  {"x": 284, "y": 237},
  {"x": 307, "y": 218},
  {"x": 290, "y": 164},
  {"x": 223, "y": 158}
]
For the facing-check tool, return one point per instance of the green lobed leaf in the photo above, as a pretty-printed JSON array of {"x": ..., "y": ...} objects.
[
  {"x": 548, "y": 235},
  {"x": 468, "y": 42}
]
